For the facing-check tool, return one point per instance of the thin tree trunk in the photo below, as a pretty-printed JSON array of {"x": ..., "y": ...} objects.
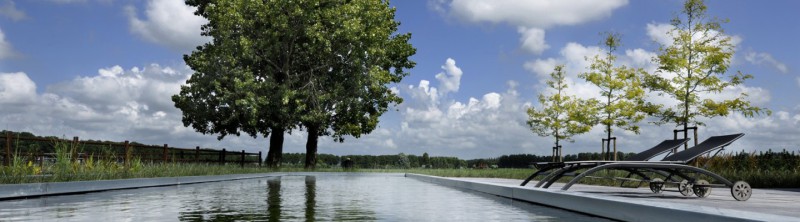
[
  {"x": 275, "y": 148},
  {"x": 311, "y": 146}
]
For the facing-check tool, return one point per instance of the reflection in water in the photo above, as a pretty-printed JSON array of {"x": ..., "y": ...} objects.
[
  {"x": 311, "y": 194},
  {"x": 274, "y": 199},
  {"x": 322, "y": 197}
]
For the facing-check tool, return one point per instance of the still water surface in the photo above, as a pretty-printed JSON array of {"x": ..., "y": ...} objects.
[{"x": 312, "y": 197}]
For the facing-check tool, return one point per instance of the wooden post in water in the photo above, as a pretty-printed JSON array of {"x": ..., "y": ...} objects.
[
  {"x": 197, "y": 154},
  {"x": 7, "y": 160},
  {"x": 127, "y": 154},
  {"x": 241, "y": 162},
  {"x": 166, "y": 155},
  {"x": 259, "y": 159}
]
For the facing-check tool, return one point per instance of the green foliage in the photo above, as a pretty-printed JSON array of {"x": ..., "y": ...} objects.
[
  {"x": 276, "y": 65},
  {"x": 622, "y": 104},
  {"x": 694, "y": 66},
  {"x": 360, "y": 55},
  {"x": 561, "y": 116}
]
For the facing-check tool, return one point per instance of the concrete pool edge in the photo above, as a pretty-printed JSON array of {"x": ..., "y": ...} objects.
[
  {"x": 32, "y": 190},
  {"x": 617, "y": 208}
]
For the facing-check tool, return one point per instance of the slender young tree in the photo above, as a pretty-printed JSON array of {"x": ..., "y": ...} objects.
[
  {"x": 692, "y": 68},
  {"x": 622, "y": 93},
  {"x": 561, "y": 116}
]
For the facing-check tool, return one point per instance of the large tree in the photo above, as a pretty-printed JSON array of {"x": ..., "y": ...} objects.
[
  {"x": 275, "y": 65},
  {"x": 692, "y": 68},
  {"x": 622, "y": 93},
  {"x": 361, "y": 55},
  {"x": 561, "y": 116}
]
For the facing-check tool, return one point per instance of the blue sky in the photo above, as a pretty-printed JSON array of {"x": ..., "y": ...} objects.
[{"x": 105, "y": 69}]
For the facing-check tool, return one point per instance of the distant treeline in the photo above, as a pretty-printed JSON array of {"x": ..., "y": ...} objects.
[
  {"x": 413, "y": 161},
  {"x": 379, "y": 162},
  {"x": 525, "y": 160},
  {"x": 763, "y": 160}
]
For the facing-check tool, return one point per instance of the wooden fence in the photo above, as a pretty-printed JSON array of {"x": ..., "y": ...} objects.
[{"x": 41, "y": 150}]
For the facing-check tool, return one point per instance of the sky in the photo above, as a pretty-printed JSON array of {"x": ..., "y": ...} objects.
[{"x": 106, "y": 69}]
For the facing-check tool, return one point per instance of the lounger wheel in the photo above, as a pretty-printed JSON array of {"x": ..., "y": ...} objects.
[
  {"x": 701, "y": 188},
  {"x": 656, "y": 185},
  {"x": 685, "y": 188},
  {"x": 741, "y": 191}
]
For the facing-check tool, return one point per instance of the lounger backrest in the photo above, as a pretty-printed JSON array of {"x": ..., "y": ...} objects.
[
  {"x": 659, "y": 149},
  {"x": 710, "y": 144}
]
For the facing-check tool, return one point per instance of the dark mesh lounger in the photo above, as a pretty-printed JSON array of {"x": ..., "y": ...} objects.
[{"x": 674, "y": 165}]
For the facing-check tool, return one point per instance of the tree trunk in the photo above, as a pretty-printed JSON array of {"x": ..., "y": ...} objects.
[
  {"x": 311, "y": 146},
  {"x": 275, "y": 148}
]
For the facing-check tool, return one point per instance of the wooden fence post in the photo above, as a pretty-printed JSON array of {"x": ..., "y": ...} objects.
[
  {"x": 165, "y": 153},
  {"x": 74, "y": 148},
  {"x": 615, "y": 148},
  {"x": 127, "y": 154},
  {"x": 259, "y": 159},
  {"x": 241, "y": 162},
  {"x": 7, "y": 160},
  {"x": 197, "y": 154},
  {"x": 222, "y": 157}
]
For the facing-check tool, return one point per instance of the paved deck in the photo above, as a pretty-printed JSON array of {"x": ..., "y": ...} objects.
[{"x": 784, "y": 202}]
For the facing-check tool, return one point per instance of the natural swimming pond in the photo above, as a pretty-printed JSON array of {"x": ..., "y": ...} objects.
[{"x": 301, "y": 197}]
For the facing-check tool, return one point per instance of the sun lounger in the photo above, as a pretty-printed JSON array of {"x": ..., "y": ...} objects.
[
  {"x": 672, "y": 166},
  {"x": 661, "y": 148}
]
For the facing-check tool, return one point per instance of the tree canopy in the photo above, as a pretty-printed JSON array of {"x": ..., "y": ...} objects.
[
  {"x": 361, "y": 56},
  {"x": 622, "y": 92},
  {"x": 561, "y": 116},
  {"x": 273, "y": 66},
  {"x": 692, "y": 68}
]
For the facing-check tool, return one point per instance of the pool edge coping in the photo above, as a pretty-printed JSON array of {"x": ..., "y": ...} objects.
[
  {"x": 34, "y": 190},
  {"x": 617, "y": 208}
]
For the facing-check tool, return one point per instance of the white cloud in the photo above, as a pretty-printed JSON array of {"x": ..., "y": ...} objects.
[
  {"x": 532, "y": 17},
  {"x": 115, "y": 104},
  {"x": 450, "y": 78},
  {"x": 472, "y": 128},
  {"x": 798, "y": 81},
  {"x": 16, "y": 89},
  {"x": 170, "y": 23},
  {"x": 660, "y": 33},
  {"x": 10, "y": 10},
  {"x": 430, "y": 121},
  {"x": 573, "y": 58},
  {"x": 532, "y": 40},
  {"x": 640, "y": 58},
  {"x": 6, "y": 50},
  {"x": 68, "y": 1},
  {"x": 533, "y": 13},
  {"x": 763, "y": 58}
]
